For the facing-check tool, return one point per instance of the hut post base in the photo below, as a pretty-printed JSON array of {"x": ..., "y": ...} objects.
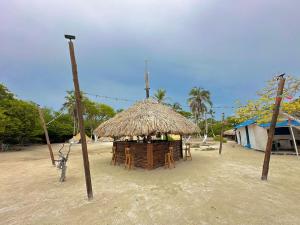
[{"x": 149, "y": 156}]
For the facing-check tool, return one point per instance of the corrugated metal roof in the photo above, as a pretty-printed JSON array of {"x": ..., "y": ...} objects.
[
  {"x": 284, "y": 123},
  {"x": 281, "y": 124},
  {"x": 246, "y": 123}
]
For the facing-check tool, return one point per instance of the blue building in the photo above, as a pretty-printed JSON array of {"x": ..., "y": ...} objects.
[{"x": 252, "y": 135}]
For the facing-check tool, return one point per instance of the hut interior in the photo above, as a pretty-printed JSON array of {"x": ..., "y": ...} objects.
[
  {"x": 148, "y": 155},
  {"x": 148, "y": 129}
]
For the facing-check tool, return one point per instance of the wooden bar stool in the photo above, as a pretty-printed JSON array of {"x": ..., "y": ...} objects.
[
  {"x": 187, "y": 150},
  {"x": 169, "y": 158},
  {"x": 129, "y": 160},
  {"x": 114, "y": 156}
]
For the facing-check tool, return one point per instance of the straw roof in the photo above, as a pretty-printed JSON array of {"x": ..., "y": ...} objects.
[
  {"x": 230, "y": 132},
  {"x": 146, "y": 117},
  {"x": 77, "y": 138}
]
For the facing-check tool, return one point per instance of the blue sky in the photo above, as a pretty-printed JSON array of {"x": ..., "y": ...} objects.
[{"x": 228, "y": 47}]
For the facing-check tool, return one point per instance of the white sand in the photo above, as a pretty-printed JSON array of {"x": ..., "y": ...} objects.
[{"x": 211, "y": 189}]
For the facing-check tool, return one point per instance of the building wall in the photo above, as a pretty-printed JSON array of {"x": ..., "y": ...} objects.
[
  {"x": 286, "y": 141},
  {"x": 258, "y": 137},
  {"x": 238, "y": 136},
  {"x": 251, "y": 132},
  {"x": 243, "y": 140}
]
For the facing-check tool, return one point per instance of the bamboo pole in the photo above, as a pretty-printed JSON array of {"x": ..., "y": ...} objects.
[
  {"x": 81, "y": 122},
  {"x": 221, "y": 135},
  {"x": 46, "y": 135},
  {"x": 265, "y": 170},
  {"x": 294, "y": 140}
]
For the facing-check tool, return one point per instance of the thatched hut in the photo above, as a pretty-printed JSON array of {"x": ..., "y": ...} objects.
[
  {"x": 230, "y": 134},
  {"x": 146, "y": 120}
]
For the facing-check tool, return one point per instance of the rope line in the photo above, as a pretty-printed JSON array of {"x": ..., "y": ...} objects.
[
  {"x": 131, "y": 100},
  {"x": 55, "y": 118},
  {"x": 109, "y": 97}
]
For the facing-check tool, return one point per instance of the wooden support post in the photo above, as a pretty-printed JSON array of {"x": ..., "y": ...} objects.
[
  {"x": 294, "y": 141},
  {"x": 150, "y": 156},
  {"x": 221, "y": 134},
  {"x": 265, "y": 170},
  {"x": 80, "y": 118},
  {"x": 181, "y": 148},
  {"x": 46, "y": 135}
]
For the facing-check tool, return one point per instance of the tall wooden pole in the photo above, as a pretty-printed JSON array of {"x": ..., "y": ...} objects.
[
  {"x": 265, "y": 170},
  {"x": 147, "y": 88},
  {"x": 46, "y": 135},
  {"x": 181, "y": 148},
  {"x": 80, "y": 118},
  {"x": 221, "y": 135}
]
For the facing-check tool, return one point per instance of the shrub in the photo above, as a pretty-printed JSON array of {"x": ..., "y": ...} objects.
[{"x": 217, "y": 138}]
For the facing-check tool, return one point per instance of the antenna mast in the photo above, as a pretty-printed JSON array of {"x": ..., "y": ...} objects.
[{"x": 147, "y": 79}]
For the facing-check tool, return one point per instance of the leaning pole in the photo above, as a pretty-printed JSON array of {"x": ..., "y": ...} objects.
[
  {"x": 280, "y": 88},
  {"x": 46, "y": 135},
  {"x": 85, "y": 155}
]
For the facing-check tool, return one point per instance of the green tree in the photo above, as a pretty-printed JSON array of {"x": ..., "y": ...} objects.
[
  {"x": 200, "y": 102},
  {"x": 96, "y": 113},
  {"x": 119, "y": 110},
  {"x": 176, "y": 107},
  {"x": 263, "y": 106},
  {"x": 21, "y": 121},
  {"x": 160, "y": 95},
  {"x": 2, "y": 121},
  {"x": 60, "y": 128},
  {"x": 186, "y": 114},
  {"x": 70, "y": 105},
  {"x": 5, "y": 94},
  {"x": 229, "y": 123}
]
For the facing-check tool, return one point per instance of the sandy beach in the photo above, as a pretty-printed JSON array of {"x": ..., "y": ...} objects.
[{"x": 210, "y": 189}]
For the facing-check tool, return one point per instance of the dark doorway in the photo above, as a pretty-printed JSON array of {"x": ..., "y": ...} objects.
[{"x": 248, "y": 139}]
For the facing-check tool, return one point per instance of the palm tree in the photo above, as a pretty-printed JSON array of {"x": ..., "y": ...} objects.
[
  {"x": 176, "y": 107},
  {"x": 160, "y": 95},
  {"x": 199, "y": 102},
  {"x": 70, "y": 105}
]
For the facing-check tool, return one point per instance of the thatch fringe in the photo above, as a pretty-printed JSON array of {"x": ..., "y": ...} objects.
[
  {"x": 230, "y": 132},
  {"x": 146, "y": 117}
]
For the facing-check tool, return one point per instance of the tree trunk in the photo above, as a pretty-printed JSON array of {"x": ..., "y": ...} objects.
[
  {"x": 212, "y": 131},
  {"x": 206, "y": 125},
  {"x": 74, "y": 126}
]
